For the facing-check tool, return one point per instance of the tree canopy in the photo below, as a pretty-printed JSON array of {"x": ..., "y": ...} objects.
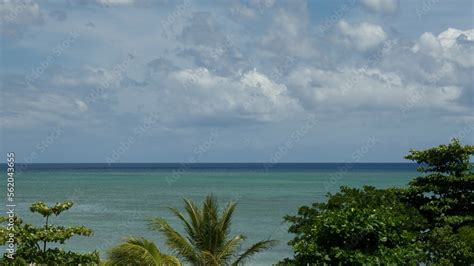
[
  {"x": 32, "y": 242},
  {"x": 428, "y": 222}
]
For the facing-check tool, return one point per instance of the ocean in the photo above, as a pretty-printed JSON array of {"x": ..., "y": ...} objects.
[{"x": 114, "y": 200}]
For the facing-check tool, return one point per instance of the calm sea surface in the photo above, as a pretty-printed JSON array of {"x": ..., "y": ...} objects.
[{"x": 115, "y": 200}]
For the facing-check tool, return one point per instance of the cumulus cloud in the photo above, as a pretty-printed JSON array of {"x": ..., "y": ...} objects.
[
  {"x": 367, "y": 89},
  {"x": 19, "y": 12},
  {"x": 200, "y": 95},
  {"x": 206, "y": 75},
  {"x": 89, "y": 76},
  {"x": 106, "y": 3},
  {"x": 243, "y": 11},
  {"x": 250, "y": 94},
  {"x": 452, "y": 44},
  {"x": 116, "y": 2},
  {"x": 41, "y": 109},
  {"x": 289, "y": 33},
  {"x": 363, "y": 36},
  {"x": 16, "y": 16},
  {"x": 381, "y": 6},
  {"x": 82, "y": 106}
]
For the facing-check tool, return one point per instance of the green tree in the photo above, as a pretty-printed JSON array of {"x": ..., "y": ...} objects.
[
  {"x": 32, "y": 241},
  {"x": 207, "y": 240},
  {"x": 445, "y": 196},
  {"x": 139, "y": 251},
  {"x": 430, "y": 222},
  {"x": 355, "y": 227}
]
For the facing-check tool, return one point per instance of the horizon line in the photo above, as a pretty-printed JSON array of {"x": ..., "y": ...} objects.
[{"x": 213, "y": 163}]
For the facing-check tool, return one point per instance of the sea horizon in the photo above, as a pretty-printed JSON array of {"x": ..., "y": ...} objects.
[
  {"x": 114, "y": 200},
  {"x": 217, "y": 165}
]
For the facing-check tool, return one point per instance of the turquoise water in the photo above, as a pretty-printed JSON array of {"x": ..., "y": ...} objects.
[{"x": 115, "y": 202}]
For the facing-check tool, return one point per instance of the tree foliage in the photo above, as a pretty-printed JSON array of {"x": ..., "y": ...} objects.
[
  {"x": 356, "y": 226},
  {"x": 445, "y": 194},
  {"x": 32, "y": 242},
  {"x": 429, "y": 222},
  {"x": 139, "y": 251},
  {"x": 207, "y": 240}
]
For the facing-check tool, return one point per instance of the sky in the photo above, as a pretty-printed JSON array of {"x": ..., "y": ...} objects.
[{"x": 234, "y": 81}]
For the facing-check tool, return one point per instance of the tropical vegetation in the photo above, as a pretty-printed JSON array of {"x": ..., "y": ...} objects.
[
  {"x": 429, "y": 222},
  {"x": 139, "y": 251},
  {"x": 208, "y": 239},
  {"x": 33, "y": 242},
  {"x": 357, "y": 226}
]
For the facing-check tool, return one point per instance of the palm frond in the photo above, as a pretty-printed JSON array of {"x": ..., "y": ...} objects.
[
  {"x": 175, "y": 240},
  {"x": 139, "y": 251},
  {"x": 195, "y": 215},
  {"x": 169, "y": 260},
  {"x": 255, "y": 248},
  {"x": 214, "y": 237},
  {"x": 209, "y": 259},
  {"x": 190, "y": 230},
  {"x": 207, "y": 240},
  {"x": 226, "y": 218},
  {"x": 229, "y": 248}
]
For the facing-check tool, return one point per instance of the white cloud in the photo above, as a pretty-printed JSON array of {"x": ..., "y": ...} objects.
[
  {"x": 89, "y": 76},
  {"x": 366, "y": 89},
  {"x": 116, "y": 2},
  {"x": 40, "y": 109},
  {"x": 243, "y": 11},
  {"x": 197, "y": 94},
  {"x": 263, "y": 3},
  {"x": 381, "y": 6},
  {"x": 200, "y": 77},
  {"x": 428, "y": 43},
  {"x": 251, "y": 94},
  {"x": 363, "y": 36},
  {"x": 289, "y": 34},
  {"x": 82, "y": 106},
  {"x": 24, "y": 12},
  {"x": 452, "y": 44}
]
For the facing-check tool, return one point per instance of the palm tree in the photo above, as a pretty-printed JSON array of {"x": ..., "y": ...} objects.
[
  {"x": 139, "y": 251},
  {"x": 207, "y": 240}
]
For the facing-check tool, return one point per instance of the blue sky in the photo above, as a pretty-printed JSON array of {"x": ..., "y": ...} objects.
[{"x": 234, "y": 81}]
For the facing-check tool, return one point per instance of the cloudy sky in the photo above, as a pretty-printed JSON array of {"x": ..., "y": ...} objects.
[{"x": 234, "y": 81}]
